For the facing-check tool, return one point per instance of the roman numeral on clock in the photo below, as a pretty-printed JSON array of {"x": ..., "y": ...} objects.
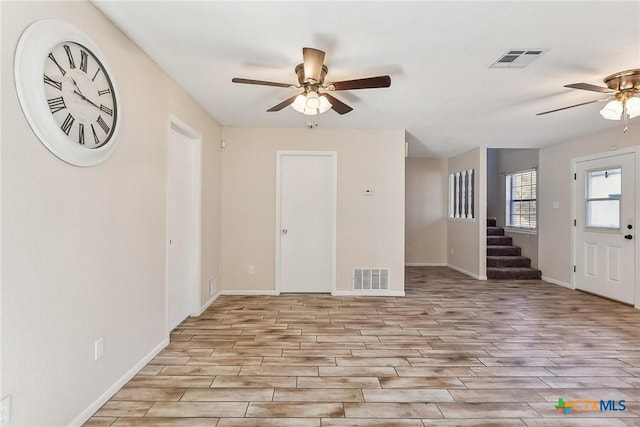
[
  {"x": 67, "y": 124},
  {"x": 53, "y": 58},
  {"x": 56, "y": 104},
  {"x": 103, "y": 124},
  {"x": 67, "y": 49},
  {"x": 84, "y": 60},
  {"x": 53, "y": 83},
  {"x": 95, "y": 135},
  {"x": 107, "y": 110},
  {"x": 81, "y": 133},
  {"x": 104, "y": 92}
]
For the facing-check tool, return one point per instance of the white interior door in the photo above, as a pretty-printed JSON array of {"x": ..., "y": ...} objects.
[
  {"x": 306, "y": 221},
  {"x": 183, "y": 226},
  {"x": 604, "y": 203}
]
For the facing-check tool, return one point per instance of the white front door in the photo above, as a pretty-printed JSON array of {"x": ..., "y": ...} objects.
[
  {"x": 604, "y": 204},
  {"x": 183, "y": 196},
  {"x": 306, "y": 216}
]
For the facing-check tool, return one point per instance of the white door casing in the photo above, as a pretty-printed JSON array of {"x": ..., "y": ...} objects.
[
  {"x": 306, "y": 184},
  {"x": 604, "y": 259},
  {"x": 184, "y": 226}
]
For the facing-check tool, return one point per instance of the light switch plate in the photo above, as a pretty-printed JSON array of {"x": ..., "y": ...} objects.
[
  {"x": 99, "y": 349},
  {"x": 5, "y": 411}
]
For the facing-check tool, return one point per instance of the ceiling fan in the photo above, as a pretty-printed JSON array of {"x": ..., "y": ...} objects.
[
  {"x": 623, "y": 89},
  {"x": 311, "y": 74}
]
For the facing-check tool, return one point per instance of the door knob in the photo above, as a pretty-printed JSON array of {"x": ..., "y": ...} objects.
[
  {"x": 628, "y": 237},
  {"x": 284, "y": 231}
]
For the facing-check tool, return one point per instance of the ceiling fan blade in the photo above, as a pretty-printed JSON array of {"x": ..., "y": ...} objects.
[
  {"x": 571, "y": 106},
  {"x": 260, "y": 82},
  {"x": 337, "y": 105},
  {"x": 366, "y": 83},
  {"x": 283, "y": 104},
  {"x": 587, "y": 86},
  {"x": 313, "y": 61}
]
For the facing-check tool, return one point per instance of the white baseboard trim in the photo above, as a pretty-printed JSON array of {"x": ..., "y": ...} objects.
[
  {"x": 207, "y": 304},
  {"x": 425, "y": 264},
  {"x": 248, "y": 292},
  {"x": 368, "y": 293},
  {"x": 334, "y": 293},
  {"x": 557, "y": 282},
  {"x": 468, "y": 273},
  {"x": 97, "y": 404}
]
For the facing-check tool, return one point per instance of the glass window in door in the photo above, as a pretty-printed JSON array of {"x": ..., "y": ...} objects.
[{"x": 603, "y": 198}]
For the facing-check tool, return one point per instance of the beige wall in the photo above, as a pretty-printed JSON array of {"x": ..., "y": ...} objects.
[
  {"x": 554, "y": 185},
  {"x": 370, "y": 230},
  {"x": 466, "y": 239},
  {"x": 84, "y": 249},
  {"x": 426, "y": 197},
  {"x": 503, "y": 161}
]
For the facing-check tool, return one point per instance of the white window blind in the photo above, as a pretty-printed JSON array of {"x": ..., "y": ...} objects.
[{"x": 521, "y": 199}]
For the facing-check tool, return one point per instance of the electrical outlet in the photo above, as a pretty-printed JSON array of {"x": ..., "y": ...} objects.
[
  {"x": 251, "y": 269},
  {"x": 5, "y": 411},
  {"x": 99, "y": 349}
]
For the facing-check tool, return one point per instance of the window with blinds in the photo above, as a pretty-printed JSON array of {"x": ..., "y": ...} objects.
[{"x": 521, "y": 199}]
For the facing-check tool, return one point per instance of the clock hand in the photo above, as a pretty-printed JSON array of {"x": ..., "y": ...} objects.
[
  {"x": 86, "y": 99},
  {"x": 77, "y": 87},
  {"x": 79, "y": 92}
]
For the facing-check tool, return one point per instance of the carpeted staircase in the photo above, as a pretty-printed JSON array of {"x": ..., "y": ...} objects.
[{"x": 504, "y": 261}]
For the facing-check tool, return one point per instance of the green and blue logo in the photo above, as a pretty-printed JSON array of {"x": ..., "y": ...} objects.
[{"x": 583, "y": 405}]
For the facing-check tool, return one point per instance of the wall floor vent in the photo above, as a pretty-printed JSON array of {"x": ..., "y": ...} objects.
[{"x": 370, "y": 279}]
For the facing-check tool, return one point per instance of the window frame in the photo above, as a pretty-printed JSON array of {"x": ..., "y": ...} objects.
[
  {"x": 588, "y": 199},
  {"x": 509, "y": 201}
]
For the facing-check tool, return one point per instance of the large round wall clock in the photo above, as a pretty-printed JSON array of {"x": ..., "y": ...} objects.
[{"x": 67, "y": 92}]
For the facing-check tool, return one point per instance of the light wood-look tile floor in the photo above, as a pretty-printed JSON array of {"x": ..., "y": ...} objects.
[{"x": 453, "y": 352}]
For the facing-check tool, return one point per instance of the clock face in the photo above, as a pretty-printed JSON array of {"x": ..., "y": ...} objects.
[
  {"x": 66, "y": 93},
  {"x": 80, "y": 95}
]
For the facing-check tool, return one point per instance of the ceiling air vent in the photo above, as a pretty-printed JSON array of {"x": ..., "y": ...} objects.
[{"x": 517, "y": 58}]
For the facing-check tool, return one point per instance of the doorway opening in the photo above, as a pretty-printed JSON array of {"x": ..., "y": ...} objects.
[
  {"x": 184, "y": 177},
  {"x": 306, "y": 191},
  {"x": 604, "y": 212}
]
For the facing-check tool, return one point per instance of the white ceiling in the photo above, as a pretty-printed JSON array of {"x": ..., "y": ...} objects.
[{"x": 443, "y": 92}]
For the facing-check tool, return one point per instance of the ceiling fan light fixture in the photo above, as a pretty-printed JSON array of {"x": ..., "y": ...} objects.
[
  {"x": 313, "y": 101},
  {"x": 311, "y": 104},
  {"x": 633, "y": 107},
  {"x": 325, "y": 105},
  {"x": 612, "y": 111}
]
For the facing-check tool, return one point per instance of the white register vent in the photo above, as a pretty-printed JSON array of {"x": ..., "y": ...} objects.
[{"x": 365, "y": 279}]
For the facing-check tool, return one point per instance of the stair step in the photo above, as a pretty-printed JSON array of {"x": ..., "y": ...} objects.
[
  {"x": 513, "y": 273},
  {"x": 499, "y": 241},
  {"x": 491, "y": 222},
  {"x": 503, "y": 250},
  {"x": 508, "y": 261},
  {"x": 495, "y": 231}
]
